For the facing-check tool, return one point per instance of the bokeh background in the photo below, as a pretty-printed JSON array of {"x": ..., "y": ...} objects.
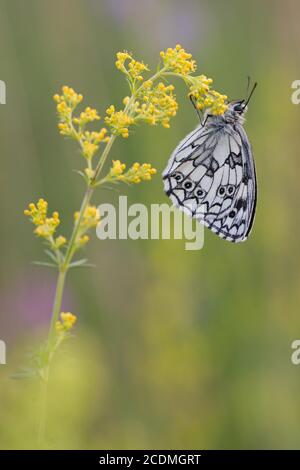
[{"x": 173, "y": 349}]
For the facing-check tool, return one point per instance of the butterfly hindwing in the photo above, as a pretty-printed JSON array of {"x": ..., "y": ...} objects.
[{"x": 211, "y": 176}]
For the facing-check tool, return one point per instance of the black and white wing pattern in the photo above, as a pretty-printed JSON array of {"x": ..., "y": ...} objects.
[{"x": 211, "y": 177}]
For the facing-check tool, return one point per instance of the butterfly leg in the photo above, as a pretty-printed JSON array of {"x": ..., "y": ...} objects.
[{"x": 199, "y": 113}]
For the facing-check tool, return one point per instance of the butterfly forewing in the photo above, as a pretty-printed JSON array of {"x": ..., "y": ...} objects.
[{"x": 211, "y": 177}]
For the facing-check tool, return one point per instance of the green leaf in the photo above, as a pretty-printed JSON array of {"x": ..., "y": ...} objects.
[
  {"x": 42, "y": 263},
  {"x": 25, "y": 373},
  {"x": 51, "y": 255},
  {"x": 80, "y": 263},
  {"x": 81, "y": 173}
]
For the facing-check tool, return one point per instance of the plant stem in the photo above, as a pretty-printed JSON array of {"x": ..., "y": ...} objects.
[
  {"x": 44, "y": 384},
  {"x": 57, "y": 304},
  {"x": 43, "y": 411},
  {"x": 104, "y": 156},
  {"x": 70, "y": 250}
]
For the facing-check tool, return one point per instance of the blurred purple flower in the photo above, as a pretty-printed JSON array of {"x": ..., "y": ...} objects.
[
  {"x": 162, "y": 24},
  {"x": 26, "y": 303}
]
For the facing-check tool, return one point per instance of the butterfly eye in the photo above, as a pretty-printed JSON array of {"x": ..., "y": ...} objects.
[
  {"x": 199, "y": 192},
  {"x": 178, "y": 177},
  {"x": 221, "y": 191},
  {"x": 239, "y": 107},
  {"x": 188, "y": 185},
  {"x": 230, "y": 190}
]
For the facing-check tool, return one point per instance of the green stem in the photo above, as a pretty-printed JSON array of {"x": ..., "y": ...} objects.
[
  {"x": 57, "y": 305},
  {"x": 71, "y": 246},
  {"x": 45, "y": 379},
  {"x": 103, "y": 158},
  {"x": 43, "y": 411}
]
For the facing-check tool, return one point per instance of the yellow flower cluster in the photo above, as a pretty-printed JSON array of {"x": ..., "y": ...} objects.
[
  {"x": 90, "y": 219},
  {"x": 216, "y": 103},
  {"x": 206, "y": 97},
  {"x": 66, "y": 322},
  {"x": 135, "y": 174},
  {"x": 131, "y": 67},
  {"x": 45, "y": 226},
  {"x": 37, "y": 212},
  {"x": 117, "y": 169},
  {"x": 157, "y": 104},
  {"x": 88, "y": 115},
  {"x": 138, "y": 173},
  {"x": 91, "y": 141},
  {"x": 154, "y": 104},
  {"x": 118, "y": 121},
  {"x": 60, "y": 241},
  {"x": 89, "y": 149},
  {"x": 178, "y": 60},
  {"x": 75, "y": 126},
  {"x": 81, "y": 241},
  {"x": 68, "y": 100}
]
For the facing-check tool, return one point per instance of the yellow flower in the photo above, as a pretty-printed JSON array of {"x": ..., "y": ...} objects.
[
  {"x": 66, "y": 322},
  {"x": 37, "y": 212},
  {"x": 97, "y": 137},
  {"x": 82, "y": 241},
  {"x": 75, "y": 126},
  {"x": 66, "y": 104},
  {"x": 122, "y": 57},
  {"x": 91, "y": 217},
  {"x": 219, "y": 104},
  {"x": 90, "y": 142},
  {"x": 60, "y": 241},
  {"x": 118, "y": 121},
  {"x": 138, "y": 173},
  {"x": 157, "y": 104},
  {"x": 117, "y": 168},
  {"x": 205, "y": 97},
  {"x": 69, "y": 96},
  {"x": 48, "y": 228},
  {"x": 88, "y": 115},
  {"x": 89, "y": 149},
  {"x": 131, "y": 67},
  {"x": 135, "y": 174},
  {"x": 45, "y": 226},
  {"x": 64, "y": 129},
  {"x": 178, "y": 60}
]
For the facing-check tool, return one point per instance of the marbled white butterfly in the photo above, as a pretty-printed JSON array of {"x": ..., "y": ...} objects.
[{"x": 211, "y": 174}]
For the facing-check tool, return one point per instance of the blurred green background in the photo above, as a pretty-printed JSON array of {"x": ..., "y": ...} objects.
[{"x": 173, "y": 349}]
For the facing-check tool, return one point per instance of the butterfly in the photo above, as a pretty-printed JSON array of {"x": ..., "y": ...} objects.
[{"x": 211, "y": 174}]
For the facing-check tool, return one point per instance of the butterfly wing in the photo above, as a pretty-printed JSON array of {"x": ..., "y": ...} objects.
[{"x": 211, "y": 176}]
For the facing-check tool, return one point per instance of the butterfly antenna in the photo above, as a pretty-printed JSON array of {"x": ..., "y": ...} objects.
[
  {"x": 251, "y": 93},
  {"x": 248, "y": 84}
]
